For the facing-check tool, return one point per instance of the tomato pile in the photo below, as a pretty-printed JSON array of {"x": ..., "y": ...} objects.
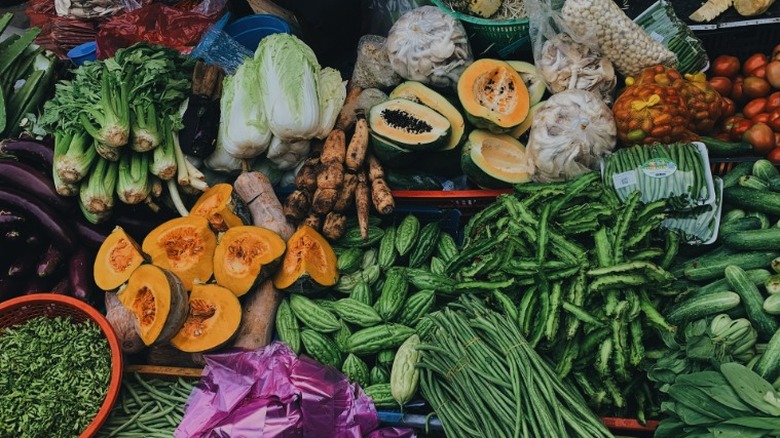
[{"x": 750, "y": 93}]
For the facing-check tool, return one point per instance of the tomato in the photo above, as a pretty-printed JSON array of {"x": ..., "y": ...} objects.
[
  {"x": 722, "y": 136},
  {"x": 759, "y": 72},
  {"x": 774, "y": 155},
  {"x": 774, "y": 120},
  {"x": 773, "y": 73},
  {"x": 777, "y": 139},
  {"x": 754, "y": 87},
  {"x": 739, "y": 129},
  {"x": 736, "y": 90},
  {"x": 761, "y": 137},
  {"x": 753, "y": 63},
  {"x": 730, "y": 121},
  {"x": 725, "y": 65},
  {"x": 727, "y": 107},
  {"x": 754, "y": 107},
  {"x": 721, "y": 84},
  {"x": 760, "y": 118},
  {"x": 773, "y": 101}
]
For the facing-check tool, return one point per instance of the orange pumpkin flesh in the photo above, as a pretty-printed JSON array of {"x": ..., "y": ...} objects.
[
  {"x": 242, "y": 255},
  {"x": 184, "y": 246},
  {"x": 119, "y": 255},
  {"x": 222, "y": 207},
  {"x": 213, "y": 319},
  {"x": 493, "y": 95},
  {"x": 309, "y": 262}
]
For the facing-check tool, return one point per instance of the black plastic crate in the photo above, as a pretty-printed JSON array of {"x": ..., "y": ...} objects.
[{"x": 740, "y": 40}]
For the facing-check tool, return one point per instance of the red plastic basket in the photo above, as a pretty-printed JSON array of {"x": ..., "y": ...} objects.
[{"x": 19, "y": 310}]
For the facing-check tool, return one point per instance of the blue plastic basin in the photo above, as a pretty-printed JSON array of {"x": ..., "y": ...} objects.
[
  {"x": 250, "y": 30},
  {"x": 83, "y": 53}
]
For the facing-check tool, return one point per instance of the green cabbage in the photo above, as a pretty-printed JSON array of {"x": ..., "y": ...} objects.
[
  {"x": 331, "y": 91},
  {"x": 289, "y": 71}
]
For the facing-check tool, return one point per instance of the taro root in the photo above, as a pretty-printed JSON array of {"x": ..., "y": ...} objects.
[
  {"x": 158, "y": 300},
  {"x": 185, "y": 246},
  {"x": 213, "y": 319},
  {"x": 119, "y": 255},
  {"x": 243, "y": 256}
]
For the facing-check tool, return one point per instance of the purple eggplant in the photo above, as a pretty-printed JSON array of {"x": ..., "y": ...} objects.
[
  {"x": 9, "y": 219},
  {"x": 37, "y": 285},
  {"x": 25, "y": 262},
  {"x": 50, "y": 261},
  {"x": 80, "y": 275},
  {"x": 90, "y": 235},
  {"x": 26, "y": 178},
  {"x": 50, "y": 221},
  {"x": 14, "y": 236},
  {"x": 62, "y": 287},
  {"x": 31, "y": 152},
  {"x": 10, "y": 287}
]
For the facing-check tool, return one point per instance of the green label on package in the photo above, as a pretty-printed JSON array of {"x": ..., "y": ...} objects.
[{"x": 658, "y": 167}]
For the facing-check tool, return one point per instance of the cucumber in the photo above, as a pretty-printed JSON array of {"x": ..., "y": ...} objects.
[
  {"x": 714, "y": 269},
  {"x": 757, "y": 276},
  {"x": 764, "y": 169},
  {"x": 764, "y": 219},
  {"x": 774, "y": 184},
  {"x": 753, "y": 182},
  {"x": 732, "y": 215},
  {"x": 765, "y": 325},
  {"x": 741, "y": 224},
  {"x": 702, "y": 306},
  {"x": 772, "y": 284},
  {"x": 752, "y": 199},
  {"x": 753, "y": 240},
  {"x": 726, "y": 149},
  {"x": 768, "y": 366},
  {"x": 732, "y": 178},
  {"x": 772, "y": 304}
]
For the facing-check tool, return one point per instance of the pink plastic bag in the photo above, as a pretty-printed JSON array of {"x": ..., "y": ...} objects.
[{"x": 274, "y": 394}]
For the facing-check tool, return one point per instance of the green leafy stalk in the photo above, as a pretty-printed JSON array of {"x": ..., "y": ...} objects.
[
  {"x": 134, "y": 184},
  {"x": 112, "y": 113},
  {"x": 163, "y": 163},
  {"x": 73, "y": 156},
  {"x": 97, "y": 191},
  {"x": 144, "y": 129}
]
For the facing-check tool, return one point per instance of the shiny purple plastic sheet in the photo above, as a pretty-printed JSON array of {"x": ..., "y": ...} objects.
[{"x": 271, "y": 393}]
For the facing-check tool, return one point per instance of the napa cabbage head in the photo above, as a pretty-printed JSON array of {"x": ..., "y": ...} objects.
[
  {"x": 331, "y": 91},
  {"x": 288, "y": 71},
  {"x": 246, "y": 133}
]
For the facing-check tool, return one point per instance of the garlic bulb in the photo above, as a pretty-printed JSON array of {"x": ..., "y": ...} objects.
[{"x": 428, "y": 45}]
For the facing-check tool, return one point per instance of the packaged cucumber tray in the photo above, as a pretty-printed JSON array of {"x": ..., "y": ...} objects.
[{"x": 679, "y": 172}]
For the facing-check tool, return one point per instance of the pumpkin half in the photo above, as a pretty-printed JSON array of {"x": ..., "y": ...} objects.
[
  {"x": 493, "y": 95},
  {"x": 242, "y": 254},
  {"x": 494, "y": 161},
  {"x": 213, "y": 319},
  {"x": 308, "y": 263},
  {"x": 222, "y": 207},
  {"x": 159, "y": 302},
  {"x": 119, "y": 255},
  {"x": 184, "y": 246}
]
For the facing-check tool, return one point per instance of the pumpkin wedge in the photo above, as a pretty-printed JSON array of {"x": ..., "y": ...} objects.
[
  {"x": 212, "y": 321},
  {"x": 184, "y": 246},
  {"x": 243, "y": 255},
  {"x": 493, "y": 95},
  {"x": 308, "y": 264},
  {"x": 222, "y": 207},
  {"x": 159, "y": 302},
  {"x": 119, "y": 255}
]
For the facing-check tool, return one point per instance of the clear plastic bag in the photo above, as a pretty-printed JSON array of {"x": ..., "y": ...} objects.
[
  {"x": 383, "y": 13},
  {"x": 699, "y": 226},
  {"x": 372, "y": 67},
  {"x": 566, "y": 59}
]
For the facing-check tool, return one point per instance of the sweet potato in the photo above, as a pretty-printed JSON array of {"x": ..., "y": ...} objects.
[
  {"x": 122, "y": 321},
  {"x": 256, "y": 191},
  {"x": 335, "y": 226},
  {"x": 347, "y": 193},
  {"x": 259, "y": 313},
  {"x": 358, "y": 145},
  {"x": 335, "y": 149},
  {"x": 347, "y": 115},
  {"x": 331, "y": 176},
  {"x": 375, "y": 170},
  {"x": 324, "y": 200},
  {"x": 363, "y": 204},
  {"x": 297, "y": 205},
  {"x": 382, "y": 197}
]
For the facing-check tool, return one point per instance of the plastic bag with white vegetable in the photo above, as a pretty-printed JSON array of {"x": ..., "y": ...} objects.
[
  {"x": 569, "y": 135},
  {"x": 621, "y": 40},
  {"x": 565, "y": 60}
]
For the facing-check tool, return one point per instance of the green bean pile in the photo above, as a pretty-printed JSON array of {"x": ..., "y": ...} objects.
[
  {"x": 147, "y": 408},
  {"x": 54, "y": 376},
  {"x": 483, "y": 379}
]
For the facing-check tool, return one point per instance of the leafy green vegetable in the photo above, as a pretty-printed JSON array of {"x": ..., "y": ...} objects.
[
  {"x": 97, "y": 191},
  {"x": 134, "y": 184},
  {"x": 245, "y": 132},
  {"x": 331, "y": 92},
  {"x": 751, "y": 388},
  {"x": 73, "y": 155}
]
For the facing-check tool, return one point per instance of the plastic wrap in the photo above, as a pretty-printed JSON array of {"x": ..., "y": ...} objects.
[
  {"x": 272, "y": 393},
  {"x": 158, "y": 24},
  {"x": 384, "y": 13},
  {"x": 663, "y": 25}
]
